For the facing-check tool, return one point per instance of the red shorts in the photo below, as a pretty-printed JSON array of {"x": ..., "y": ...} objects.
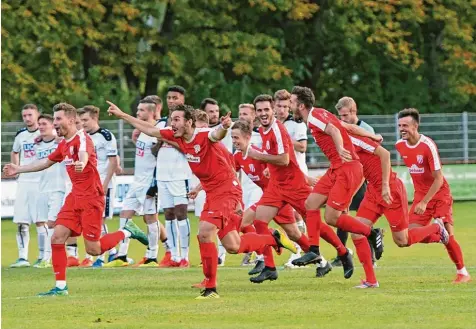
[
  {"x": 221, "y": 211},
  {"x": 436, "y": 208},
  {"x": 340, "y": 184},
  {"x": 285, "y": 214},
  {"x": 81, "y": 214},
  {"x": 279, "y": 197},
  {"x": 373, "y": 206}
]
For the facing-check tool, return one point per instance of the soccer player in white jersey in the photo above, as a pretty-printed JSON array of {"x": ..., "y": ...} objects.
[
  {"x": 23, "y": 153},
  {"x": 174, "y": 176},
  {"x": 105, "y": 145},
  {"x": 298, "y": 133},
  {"x": 52, "y": 186},
  {"x": 136, "y": 200}
]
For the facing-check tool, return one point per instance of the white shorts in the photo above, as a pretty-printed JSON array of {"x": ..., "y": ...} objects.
[
  {"x": 48, "y": 205},
  {"x": 136, "y": 200},
  {"x": 199, "y": 203},
  {"x": 251, "y": 195},
  {"x": 109, "y": 203},
  {"x": 26, "y": 203},
  {"x": 173, "y": 193}
]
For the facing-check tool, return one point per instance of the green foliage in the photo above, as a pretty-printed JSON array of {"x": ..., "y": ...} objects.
[{"x": 385, "y": 54}]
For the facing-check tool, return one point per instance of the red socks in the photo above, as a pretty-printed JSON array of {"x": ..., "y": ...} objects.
[
  {"x": 304, "y": 243},
  {"x": 209, "y": 255},
  {"x": 248, "y": 229},
  {"x": 455, "y": 253},
  {"x": 424, "y": 234},
  {"x": 110, "y": 240},
  {"x": 350, "y": 224},
  {"x": 263, "y": 230},
  {"x": 328, "y": 234},
  {"x": 59, "y": 261},
  {"x": 364, "y": 253},
  {"x": 313, "y": 223}
]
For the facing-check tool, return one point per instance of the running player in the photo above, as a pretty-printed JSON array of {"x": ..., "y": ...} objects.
[
  {"x": 84, "y": 206},
  {"x": 344, "y": 177},
  {"x": 52, "y": 186},
  {"x": 210, "y": 165},
  {"x": 386, "y": 195},
  {"x": 347, "y": 110},
  {"x": 25, "y": 214},
  {"x": 105, "y": 145},
  {"x": 173, "y": 176},
  {"x": 136, "y": 200},
  {"x": 298, "y": 133},
  {"x": 433, "y": 197}
]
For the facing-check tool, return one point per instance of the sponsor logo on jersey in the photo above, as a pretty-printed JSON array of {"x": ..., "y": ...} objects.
[
  {"x": 419, "y": 158},
  {"x": 196, "y": 148},
  {"x": 252, "y": 167},
  {"x": 191, "y": 158},
  {"x": 253, "y": 178},
  {"x": 67, "y": 161},
  {"x": 29, "y": 150},
  {"x": 140, "y": 147},
  {"x": 44, "y": 153},
  {"x": 414, "y": 169}
]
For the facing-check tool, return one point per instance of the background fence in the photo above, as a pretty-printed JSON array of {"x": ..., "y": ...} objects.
[{"x": 455, "y": 135}]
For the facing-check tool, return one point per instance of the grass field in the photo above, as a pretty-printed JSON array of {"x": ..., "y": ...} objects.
[{"x": 415, "y": 292}]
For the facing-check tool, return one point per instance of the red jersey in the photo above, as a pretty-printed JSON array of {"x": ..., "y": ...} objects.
[
  {"x": 365, "y": 148},
  {"x": 207, "y": 159},
  {"x": 317, "y": 121},
  {"x": 422, "y": 159},
  {"x": 86, "y": 183},
  {"x": 253, "y": 168},
  {"x": 276, "y": 141}
]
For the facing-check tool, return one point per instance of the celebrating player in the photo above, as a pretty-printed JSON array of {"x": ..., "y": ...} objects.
[
  {"x": 433, "y": 197},
  {"x": 83, "y": 209},
  {"x": 209, "y": 164},
  {"x": 344, "y": 177},
  {"x": 25, "y": 213}
]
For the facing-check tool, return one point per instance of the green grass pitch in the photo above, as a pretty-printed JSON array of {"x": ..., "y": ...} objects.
[{"x": 415, "y": 292}]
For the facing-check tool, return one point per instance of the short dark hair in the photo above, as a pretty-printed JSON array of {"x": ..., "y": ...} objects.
[
  {"x": 30, "y": 106},
  {"x": 151, "y": 99},
  {"x": 263, "y": 98},
  {"x": 304, "y": 96},
  {"x": 207, "y": 101},
  {"x": 410, "y": 112},
  {"x": 91, "y": 109},
  {"x": 177, "y": 89},
  {"x": 46, "y": 116},
  {"x": 244, "y": 126},
  {"x": 188, "y": 112},
  {"x": 68, "y": 109}
]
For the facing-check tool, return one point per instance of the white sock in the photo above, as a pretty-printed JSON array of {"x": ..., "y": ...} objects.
[
  {"x": 72, "y": 250},
  {"x": 221, "y": 250},
  {"x": 153, "y": 232},
  {"x": 42, "y": 237},
  {"x": 301, "y": 226},
  {"x": 173, "y": 238},
  {"x": 166, "y": 245},
  {"x": 259, "y": 257},
  {"x": 23, "y": 240},
  {"x": 463, "y": 271},
  {"x": 184, "y": 229},
  {"x": 47, "y": 256},
  {"x": 124, "y": 245},
  {"x": 323, "y": 262},
  {"x": 61, "y": 284}
]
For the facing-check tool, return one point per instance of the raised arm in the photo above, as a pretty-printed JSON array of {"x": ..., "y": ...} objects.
[
  {"x": 219, "y": 133},
  {"x": 356, "y": 130},
  {"x": 143, "y": 126}
]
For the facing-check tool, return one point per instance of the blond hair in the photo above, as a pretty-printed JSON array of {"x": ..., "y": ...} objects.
[{"x": 346, "y": 102}]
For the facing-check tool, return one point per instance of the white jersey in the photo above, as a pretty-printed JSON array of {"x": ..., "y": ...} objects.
[
  {"x": 25, "y": 145},
  {"x": 105, "y": 145},
  {"x": 54, "y": 178},
  {"x": 172, "y": 165},
  {"x": 145, "y": 160},
  {"x": 298, "y": 132},
  {"x": 227, "y": 141}
]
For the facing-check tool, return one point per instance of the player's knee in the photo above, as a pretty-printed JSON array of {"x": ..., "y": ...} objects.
[
  {"x": 93, "y": 250},
  {"x": 50, "y": 224},
  {"x": 400, "y": 241},
  {"x": 309, "y": 204},
  {"x": 330, "y": 218},
  {"x": 169, "y": 213},
  {"x": 354, "y": 236},
  {"x": 58, "y": 238}
]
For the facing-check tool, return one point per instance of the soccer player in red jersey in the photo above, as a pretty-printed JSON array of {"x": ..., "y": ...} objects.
[
  {"x": 218, "y": 179},
  {"x": 341, "y": 181},
  {"x": 83, "y": 208},
  {"x": 254, "y": 169},
  {"x": 432, "y": 193},
  {"x": 386, "y": 195}
]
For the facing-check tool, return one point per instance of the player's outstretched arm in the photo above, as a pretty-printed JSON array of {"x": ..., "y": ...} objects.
[
  {"x": 278, "y": 160},
  {"x": 11, "y": 169},
  {"x": 220, "y": 133},
  {"x": 384, "y": 156},
  {"x": 143, "y": 126},
  {"x": 356, "y": 130},
  {"x": 332, "y": 131}
]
